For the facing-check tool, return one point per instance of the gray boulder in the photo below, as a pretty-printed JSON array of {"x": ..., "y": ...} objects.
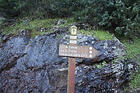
[{"x": 33, "y": 65}]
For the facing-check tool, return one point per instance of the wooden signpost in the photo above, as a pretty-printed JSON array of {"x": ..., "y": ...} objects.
[{"x": 72, "y": 51}]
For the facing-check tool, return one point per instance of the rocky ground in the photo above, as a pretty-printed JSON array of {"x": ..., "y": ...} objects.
[{"x": 32, "y": 65}]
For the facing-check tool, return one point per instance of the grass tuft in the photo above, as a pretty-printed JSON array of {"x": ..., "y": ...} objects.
[
  {"x": 34, "y": 25},
  {"x": 133, "y": 50},
  {"x": 100, "y": 34}
]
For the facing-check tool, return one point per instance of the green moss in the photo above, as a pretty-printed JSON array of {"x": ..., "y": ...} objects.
[
  {"x": 101, "y": 65},
  {"x": 32, "y": 25},
  {"x": 59, "y": 36},
  {"x": 135, "y": 83},
  {"x": 102, "y": 35},
  {"x": 0, "y": 40},
  {"x": 35, "y": 33},
  {"x": 69, "y": 22},
  {"x": 47, "y": 23},
  {"x": 132, "y": 51}
]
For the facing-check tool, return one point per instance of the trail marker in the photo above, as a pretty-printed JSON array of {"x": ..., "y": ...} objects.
[{"x": 72, "y": 51}]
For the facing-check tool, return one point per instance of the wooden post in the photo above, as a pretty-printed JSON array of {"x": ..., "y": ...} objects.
[
  {"x": 71, "y": 76},
  {"x": 71, "y": 62}
]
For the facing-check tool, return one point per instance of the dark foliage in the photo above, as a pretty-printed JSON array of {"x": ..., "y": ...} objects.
[
  {"x": 119, "y": 16},
  {"x": 11, "y": 8}
]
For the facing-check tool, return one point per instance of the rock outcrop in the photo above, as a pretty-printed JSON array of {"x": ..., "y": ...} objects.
[{"x": 33, "y": 66}]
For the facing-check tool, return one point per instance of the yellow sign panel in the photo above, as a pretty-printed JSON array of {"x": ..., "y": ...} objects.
[{"x": 73, "y": 30}]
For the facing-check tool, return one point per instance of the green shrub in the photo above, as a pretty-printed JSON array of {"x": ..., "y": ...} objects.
[
  {"x": 11, "y": 8},
  {"x": 119, "y": 16},
  {"x": 124, "y": 19}
]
